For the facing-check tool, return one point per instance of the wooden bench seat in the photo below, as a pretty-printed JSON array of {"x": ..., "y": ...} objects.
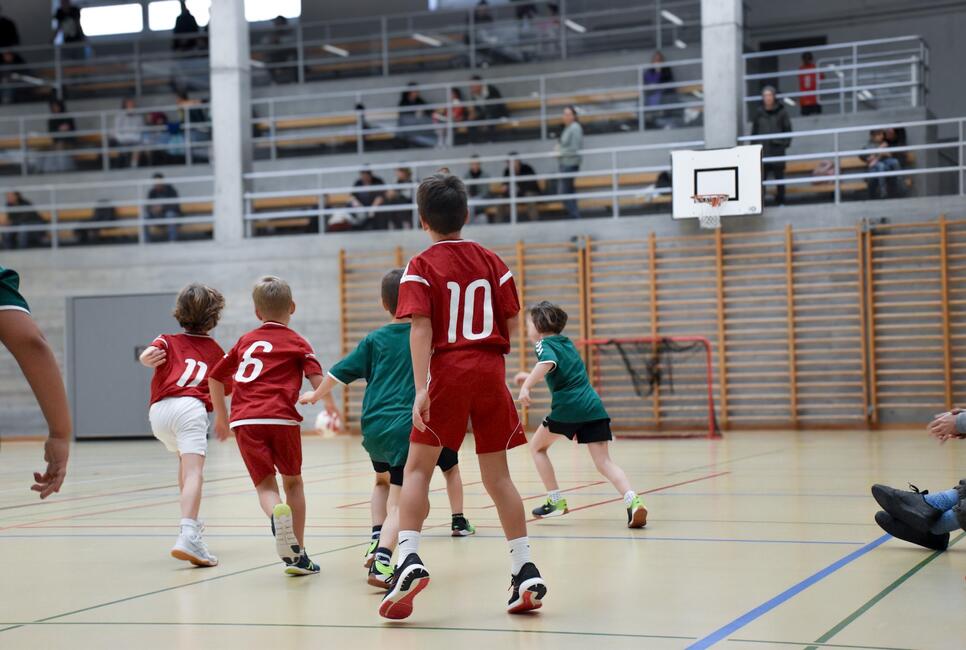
[{"x": 188, "y": 209}]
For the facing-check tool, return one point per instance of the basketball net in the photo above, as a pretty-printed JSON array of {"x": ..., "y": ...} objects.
[{"x": 709, "y": 209}]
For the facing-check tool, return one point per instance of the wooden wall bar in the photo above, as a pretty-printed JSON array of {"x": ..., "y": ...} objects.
[{"x": 810, "y": 327}]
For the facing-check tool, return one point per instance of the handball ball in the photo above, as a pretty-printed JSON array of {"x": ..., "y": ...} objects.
[{"x": 328, "y": 424}]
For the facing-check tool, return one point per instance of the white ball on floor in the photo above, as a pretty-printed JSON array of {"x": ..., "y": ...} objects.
[{"x": 327, "y": 424}]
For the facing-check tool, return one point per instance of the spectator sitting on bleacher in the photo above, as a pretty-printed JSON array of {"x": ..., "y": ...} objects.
[
  {"x": 193, "y": 123},
  {"x": 524, "y": 188},
  {"x": 402, "y": 219},
  {"x": 412, "y": 112},
  {"x": 896, "y": 137},
  {"x": 128, "y": 133},
  {"x": 808, "y": 81},
  {"x": 880, "y": 161},
  {"x": 161, "y": 206},
  {"x": 441, "y": 116},
  {"x": 185, "y": 24},
  {"x": 477, "y": 188},
  {"x": 22, "y": 216},
  {"x": 59, "y": 160},
  {"x": 156, "y": 137},
  {"x": 9, "y": 36},
  {"x": 10, "y": 73},
  {"x": 365, "y": 219},
  {"x": 772, "y": 117},
  {"x": 485, "y": 105},
  {"x": 658, "y": 73}
]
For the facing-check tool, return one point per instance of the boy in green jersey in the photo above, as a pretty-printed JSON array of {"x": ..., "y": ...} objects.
[
  {"x": 382, "y": 358},
  {"x": 20, "y": 334},
  {"x": 575, "y": 411}
]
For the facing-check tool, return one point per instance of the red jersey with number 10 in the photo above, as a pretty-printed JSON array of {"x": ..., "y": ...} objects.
[
  {"x": 184, "y": 372},
  {"x": 467, "y": 291},
  {"x": 267, "y": 366}
]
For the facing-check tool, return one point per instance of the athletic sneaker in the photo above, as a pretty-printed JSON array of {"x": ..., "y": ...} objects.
[
  {"x": 462, "y": 527},
  {"x": 371, "y": 552},
  {"x": 191, "y": 547},
  {"x": 286, "y": 544},
  {"x": 551, "y": 508},
  {"x": 527, "y": 590},
  {"x": 908, "y": 507},
  {"x": 302, "y": 567},
  {"x": 636, "y": 514},
  {"x": 907, "y": 533},
  {"x": 380, "y": 575},
  {"x": 408, "y": 580}
]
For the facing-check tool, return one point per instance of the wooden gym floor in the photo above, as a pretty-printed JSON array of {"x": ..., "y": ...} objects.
[{"x": 757, "y": 540}]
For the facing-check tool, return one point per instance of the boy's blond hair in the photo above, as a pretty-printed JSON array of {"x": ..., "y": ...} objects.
[
  {"x": 198, "y": 308},
  {"x": 272, "y": 297}
]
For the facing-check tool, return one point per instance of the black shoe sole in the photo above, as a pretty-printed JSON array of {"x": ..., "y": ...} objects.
[{"x": 907, "y": 533}]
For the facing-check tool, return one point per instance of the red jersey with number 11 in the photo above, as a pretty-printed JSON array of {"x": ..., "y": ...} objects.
[
  {"x": 467, "y": 291},
  {"x": 184, "y": 372},
  {"x": 267, "y": 366}
]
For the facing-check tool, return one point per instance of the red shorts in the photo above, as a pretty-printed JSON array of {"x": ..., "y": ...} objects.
[
  {"x": 470, "y": 387},
  {"x": 266, "y": 446}
]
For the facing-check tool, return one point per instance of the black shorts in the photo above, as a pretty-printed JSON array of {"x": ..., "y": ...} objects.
[
  {"x": 586, "y": 432},
  {"x": 448, "y": 459}
]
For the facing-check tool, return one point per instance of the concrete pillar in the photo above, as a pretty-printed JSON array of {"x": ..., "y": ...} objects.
[
  {"x": 722, "y": 69},
  {"x": 230, "y": 114}
]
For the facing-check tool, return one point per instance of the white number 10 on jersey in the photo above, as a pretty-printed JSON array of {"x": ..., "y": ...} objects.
[{"x": 469, "y": 310}]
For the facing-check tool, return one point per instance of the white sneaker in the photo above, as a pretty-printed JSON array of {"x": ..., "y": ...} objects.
[{"x": 191, "y": 547}]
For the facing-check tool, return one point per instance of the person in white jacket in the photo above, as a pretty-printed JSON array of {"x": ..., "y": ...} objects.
[{"x": 128, "y": 133}]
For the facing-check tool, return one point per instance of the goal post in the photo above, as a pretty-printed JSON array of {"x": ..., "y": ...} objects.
[{"x": 654, "y": 386}]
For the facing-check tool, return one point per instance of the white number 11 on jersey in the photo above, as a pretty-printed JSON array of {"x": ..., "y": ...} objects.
[{"x": 190, "y": 366}]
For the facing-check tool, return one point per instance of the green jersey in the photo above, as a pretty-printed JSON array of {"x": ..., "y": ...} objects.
[
  {"x": 573, "y": 399},
  {"x": 382, "y": 358},
  {"x": 10, "y": 297}
]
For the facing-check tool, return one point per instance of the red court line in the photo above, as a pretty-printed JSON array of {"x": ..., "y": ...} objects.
[
  {"x": 159, "y": 503},
  {"x": 367, "y": 501},
  {"x": 543, "y": 494},
  {"x": 657, "y": 489}
]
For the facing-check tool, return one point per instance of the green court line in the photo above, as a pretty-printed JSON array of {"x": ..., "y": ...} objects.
[
  {"x": 166, "y": 589},
  {"x": 822, "y": 645},
  {"x": 869, "y": 604},
  {"x": 384, "y": 626}
]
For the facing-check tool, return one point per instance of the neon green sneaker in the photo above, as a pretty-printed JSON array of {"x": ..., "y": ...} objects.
[
  {"x": 636, "y": 514},
  {"x": 551, "y": 509},
  {"x": 371, "y": 552},
  {"x": 380, "y": 574},
  {"x": 461, "y": 527}
]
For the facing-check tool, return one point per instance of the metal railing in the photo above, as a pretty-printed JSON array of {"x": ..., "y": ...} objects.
[
  {"x": 29, "y": 146},
  {"x": 390, "y": 44},
  {"x": 850, "y": 77},
  {"x": 529, "y": 108},
  {"x": 67, "y": 214},
  {"x": 844, "y": 167}
]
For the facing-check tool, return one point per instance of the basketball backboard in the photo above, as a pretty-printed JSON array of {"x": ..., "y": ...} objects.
[{"x": 734, "y": 171}]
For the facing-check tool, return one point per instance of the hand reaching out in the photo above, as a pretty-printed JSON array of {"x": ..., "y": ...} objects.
[{"x": 308, "y": 397}]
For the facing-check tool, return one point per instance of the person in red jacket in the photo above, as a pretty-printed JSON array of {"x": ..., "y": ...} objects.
[
  {"x": 808, "y": 83},
  {"x": 180, "y": 404}
]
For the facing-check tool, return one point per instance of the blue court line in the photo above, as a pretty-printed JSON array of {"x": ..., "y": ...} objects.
[
  {"x": 723, "y": 632},
  {"x": 630, "y": 538}
]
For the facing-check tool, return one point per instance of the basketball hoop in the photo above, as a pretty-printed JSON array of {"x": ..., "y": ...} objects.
[{"x": 709, "y": 209}]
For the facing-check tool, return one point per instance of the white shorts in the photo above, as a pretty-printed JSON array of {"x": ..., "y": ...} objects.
[{"x": 181, "y": 423}]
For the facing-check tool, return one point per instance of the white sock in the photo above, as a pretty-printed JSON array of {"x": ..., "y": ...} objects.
[
  {"x": 408, "y": 544},
  {"x": 628, "y": 497},
  {"x": 189, "y": 525},
  {"x": 554, "y": 496},
  {"x": 519, "y": 553}
]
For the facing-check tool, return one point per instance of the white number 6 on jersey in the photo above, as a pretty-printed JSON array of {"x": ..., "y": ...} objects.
[{"x": 250, "y": 367}]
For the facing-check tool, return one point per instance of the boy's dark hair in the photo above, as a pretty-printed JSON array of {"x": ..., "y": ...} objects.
[
  {"x": 390, "y": 289},
  {"x": 198, "y": 308},
  {"x": 441, "y": 199},
  {"x": 548, "y": 318}
]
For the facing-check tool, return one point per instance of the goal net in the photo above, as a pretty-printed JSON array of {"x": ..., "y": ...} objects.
[{"x": 654, "y": 386}]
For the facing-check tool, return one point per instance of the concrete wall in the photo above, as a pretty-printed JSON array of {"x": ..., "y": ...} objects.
[{"x": 310, "y": 264}]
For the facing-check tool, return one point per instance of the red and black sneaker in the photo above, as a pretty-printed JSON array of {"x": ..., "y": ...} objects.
[
  {"x": 527, "y": 590},
  {"x": 408, "y": 580}
]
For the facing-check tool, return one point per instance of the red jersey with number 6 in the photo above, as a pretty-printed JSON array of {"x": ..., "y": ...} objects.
[
  {"x": 467, "y": 291},
  {"x": 267, "y": 366},
  {"x": 184, "y": 372}
]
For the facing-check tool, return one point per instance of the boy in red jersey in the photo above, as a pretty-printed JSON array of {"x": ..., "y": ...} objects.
[
  {"x": 266, "y": 367},
  {"x": 464, "y": 304},
  {"x": 180, "y": 405}
]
